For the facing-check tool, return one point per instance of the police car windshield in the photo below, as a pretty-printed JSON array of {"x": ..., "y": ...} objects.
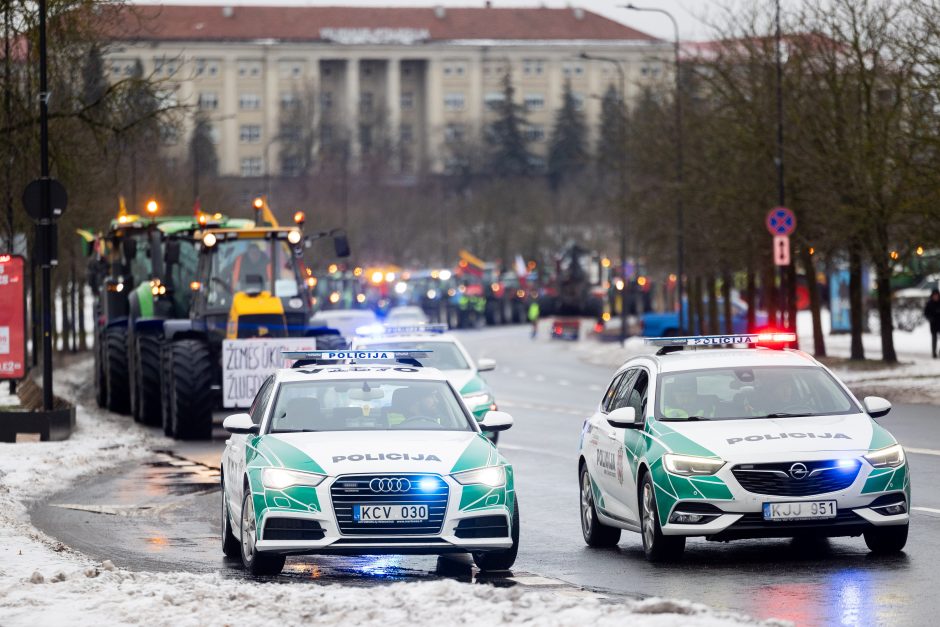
[
  {"x": 443, "y": 355},
  {"x": 752, "y": 392},
  {"x": 367, "y": 405}
]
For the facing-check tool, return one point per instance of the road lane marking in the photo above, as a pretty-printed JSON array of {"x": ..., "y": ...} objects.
[
  {"x": 594, "y": 387},
  {"x": 529, "y": 449},
  {"x": 922, "y": 451},
  {"x": 929, "y": 510},
  {"x": 569, "y": 411},
  {"x": 564, "y": 382},
  {"x": 540, "y": 377}
]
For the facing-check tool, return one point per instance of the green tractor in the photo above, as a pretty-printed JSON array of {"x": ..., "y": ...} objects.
[{"x": 251, "y": 298}]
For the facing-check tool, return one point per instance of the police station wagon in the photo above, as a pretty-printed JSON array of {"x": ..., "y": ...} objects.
[{"x": 733, "y": 443}]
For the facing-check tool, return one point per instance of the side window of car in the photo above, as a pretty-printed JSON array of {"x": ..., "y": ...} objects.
[
  {"x": 261, "y": 400},
  {"x": 611, "y": 391},
  {"x": 637, "y": 398},
  {"x": 621, "y": 398}
]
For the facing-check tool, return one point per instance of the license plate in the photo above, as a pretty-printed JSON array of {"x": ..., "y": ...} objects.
[
  {"x": 800, "y": 510},
  {"x": 389, "y": 512}
]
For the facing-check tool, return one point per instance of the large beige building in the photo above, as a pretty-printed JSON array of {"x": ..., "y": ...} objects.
[{"x": 421, "y": 77}]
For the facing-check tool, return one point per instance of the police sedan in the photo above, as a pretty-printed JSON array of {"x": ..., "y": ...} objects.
[
  {"x": 732, "y": 443},
  {"x": 364, "y": 459},
  {"x": 447, "y": 354}
]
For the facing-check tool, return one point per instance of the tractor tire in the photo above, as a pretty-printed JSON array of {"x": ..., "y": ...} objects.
[
  {"x": 115, "y": 367},
  {"x": 190, "y": 401},
  {"x": 101, "y": 381},
  {"x": 147, "y": 382}
]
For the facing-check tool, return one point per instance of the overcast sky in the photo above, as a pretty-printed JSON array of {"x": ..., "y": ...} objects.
[{"x": 690, "y": 14}]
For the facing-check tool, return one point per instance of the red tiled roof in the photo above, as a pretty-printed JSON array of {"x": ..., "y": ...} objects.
[{"x": 201, "y": 22}]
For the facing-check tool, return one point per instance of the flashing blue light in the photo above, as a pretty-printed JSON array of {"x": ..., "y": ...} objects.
[
  {"x": 847, "y": 463},
  {"x": 429, "y": 485}
]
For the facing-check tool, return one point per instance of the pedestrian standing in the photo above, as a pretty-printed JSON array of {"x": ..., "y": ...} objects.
[
  {"x": 534, "y": 317},
  {"x": 932, "y": 313}
]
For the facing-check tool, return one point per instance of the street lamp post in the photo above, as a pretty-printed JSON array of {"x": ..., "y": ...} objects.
[
  {"x": 622, "y": 95},
  {"x": 679, "y": 162}
]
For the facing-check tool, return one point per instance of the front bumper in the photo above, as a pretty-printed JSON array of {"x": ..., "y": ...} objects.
[
  {"x": 465, "y": 517},
  {"x": 859, "y": 508}
]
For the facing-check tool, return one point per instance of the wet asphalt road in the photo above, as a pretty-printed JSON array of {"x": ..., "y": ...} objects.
[{"x": 164, "y": 516}]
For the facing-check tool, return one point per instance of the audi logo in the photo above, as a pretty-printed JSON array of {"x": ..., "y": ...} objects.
[
  {"x": 387, "y": 485},
  {"x": 798, "y": 470}
]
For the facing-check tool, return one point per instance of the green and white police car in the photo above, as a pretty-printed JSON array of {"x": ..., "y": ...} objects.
[
  {"x": 353, "y": 458},
  {"x": 732, "y": 443},
  {"x": 447, "y": 354}
]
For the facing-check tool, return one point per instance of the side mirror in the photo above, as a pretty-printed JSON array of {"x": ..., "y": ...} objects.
[
  {"x": 624, "y": 418},
  {"x": 341, "y": 245},
  {"x": 485, "y": 364},
  {"x": 876, "y": 406},
  {"x": 240, "y": 423},
  {"x": 129, "y": 249},
  {"x": 171, "y": 254},
  {"x": 496, "y": 421}
]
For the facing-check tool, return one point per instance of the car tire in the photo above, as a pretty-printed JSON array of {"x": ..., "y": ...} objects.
[
  {"x": 656, "y": 546},
  {"x": 256, "y": 563},
  {"x": 502, "y": 559},
  {"x": 190, "y": 390},
  {"x": 148, "y": 384},
  {"x": 231, "y": 547},
  {"x": 595, "y": 533},
  {"x": 115, "y": 368},
  {"x": 886, "y": 539}
]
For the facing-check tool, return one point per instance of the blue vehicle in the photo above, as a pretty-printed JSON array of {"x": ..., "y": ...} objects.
[{"x": 666, "y": 324}]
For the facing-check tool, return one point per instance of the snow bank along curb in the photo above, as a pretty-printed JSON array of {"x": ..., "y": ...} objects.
[{"x": 44, "y": 582}]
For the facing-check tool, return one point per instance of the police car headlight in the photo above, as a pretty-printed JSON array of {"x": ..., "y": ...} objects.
[
  {"x": 279, "y": 478},
  {"x": 475, "y": 400},
  {"x": 689, "y": 465},
  {"x": 889, "y": 457},
  {"x": 492, "y": 476}
]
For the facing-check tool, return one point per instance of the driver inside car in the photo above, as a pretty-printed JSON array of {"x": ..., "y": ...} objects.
[
  {"x": 682, "y": 400},
  {"x": 250, "y": 265},
  {"x": 411, "y": 404}
]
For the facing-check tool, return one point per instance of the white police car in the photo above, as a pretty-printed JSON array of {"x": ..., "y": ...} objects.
[
  {"x": 364, "y": 459},
  {"x": 733, "y": 443},
  {"x": 447, "y": 354}
]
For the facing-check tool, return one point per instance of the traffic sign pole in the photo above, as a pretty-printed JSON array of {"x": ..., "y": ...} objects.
[{"x": 44, "y": 229}]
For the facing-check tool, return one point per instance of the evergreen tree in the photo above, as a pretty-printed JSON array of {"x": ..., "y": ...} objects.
[
  {"x": 94, "y": 82},
  {"x": 506, "y": 138},
  {"x": 205, "y": 160},
  {"x": 568, "y": 153},
  {"x": 611, "y": 145}
]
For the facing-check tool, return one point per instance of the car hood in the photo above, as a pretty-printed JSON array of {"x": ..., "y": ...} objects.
[
  {"x": 353, "y": 452},
  {"x": 464, "y": 381},
  {"x": 775, "y": 439}
]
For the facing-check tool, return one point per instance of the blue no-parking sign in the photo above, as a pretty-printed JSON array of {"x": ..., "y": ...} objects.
[{"x": 781, "y": 221}]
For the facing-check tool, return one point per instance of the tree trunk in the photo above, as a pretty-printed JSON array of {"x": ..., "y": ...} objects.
[
  {"x": 726, "y": 301},
  {"x": 751, "y": 298},
  {"x": 791, "y": 301},
  {"x": 82, "y": 340},
  {"x": 819, "y": 342},
  {"x": 883, "y": 280},
  {"x": 856, "y": 305},
  {"x": 770, "y": 294},
  {"x": 65, "y": 327},
  {"x": 699, "y": 306},
  {"x": 712, "y": 287}
]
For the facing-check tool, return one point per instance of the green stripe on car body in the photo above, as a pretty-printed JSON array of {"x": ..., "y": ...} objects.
[{"x": 480, "y": 452}]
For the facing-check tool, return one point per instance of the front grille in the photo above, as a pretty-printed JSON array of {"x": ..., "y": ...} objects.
[
  {"x": 351, "y": 490},
  {"x": 276, "y": 528},
  {"x": 775, "y": 479},
  {"x": 483, "y": 527}
]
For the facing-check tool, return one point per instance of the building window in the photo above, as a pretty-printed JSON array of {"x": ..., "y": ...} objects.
[
  {"x": 365, "y": 137},
  {"x": 289, "y": 100},
  {"x": 249, "y": 101},
  {"x": 251, "y": 166},
  {"x": 406, "y": 133},
  {"x": 365, "y": 102},
  {"x": 208, "y": 101},
  {"x": 534, "y": 102},
  {"x": 249, "y": 133},
  {"x": 651, "y": 71},
  {"x": 535, "y": 132},
  {"x": 290, "y": 132},
  {"x": 169, "y": 134},
  {"x": 454, "y": 101},
  {"x": 578, "y": 100},
  {"x": 326, "y": 133},
  {"x": 494, "y": 100},
  {"x": 249, "y": 69},
  {"x": 454, "y": 69},
  {"x": 326, "y": 100},
  {"x": 495, "y": 69},
  {"x": 533, "y": 67},
  {"x": 207, "y": 67},
  {"x": 454, "y": 133},
  {"x": 536, "y": 162},
  {"x": 290, "y": 69},
  {"x": 571, "y": 69},
  {"x": 407, "y": 100},
  {"x": 291, "y": 166}
]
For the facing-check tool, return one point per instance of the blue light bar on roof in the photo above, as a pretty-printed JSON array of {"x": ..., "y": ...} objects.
[{"x": 770, "y": 337}]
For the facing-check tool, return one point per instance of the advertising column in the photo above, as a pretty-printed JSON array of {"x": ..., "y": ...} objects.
[{"x": 12, "y": 318}]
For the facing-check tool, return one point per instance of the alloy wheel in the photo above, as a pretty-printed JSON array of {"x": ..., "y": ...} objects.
[
  {"x": 649, "y": 522},
  {"x": 586, "y": 504}
]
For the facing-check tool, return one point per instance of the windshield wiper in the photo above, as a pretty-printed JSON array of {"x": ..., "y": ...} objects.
[
  {"x": 690, "y": 418},
  {"x": 783, "y": 414},
  {"x": 295, "y": 431}
]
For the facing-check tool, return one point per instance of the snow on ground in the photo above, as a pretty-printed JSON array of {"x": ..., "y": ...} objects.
[
  {"x": 913, "y": 380},
  {"x": 42, "y": 582}
]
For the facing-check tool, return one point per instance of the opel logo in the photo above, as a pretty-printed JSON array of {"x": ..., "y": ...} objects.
[
  {"x": 798, "y": 470},
  {"x": 390, "y": 484}
]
